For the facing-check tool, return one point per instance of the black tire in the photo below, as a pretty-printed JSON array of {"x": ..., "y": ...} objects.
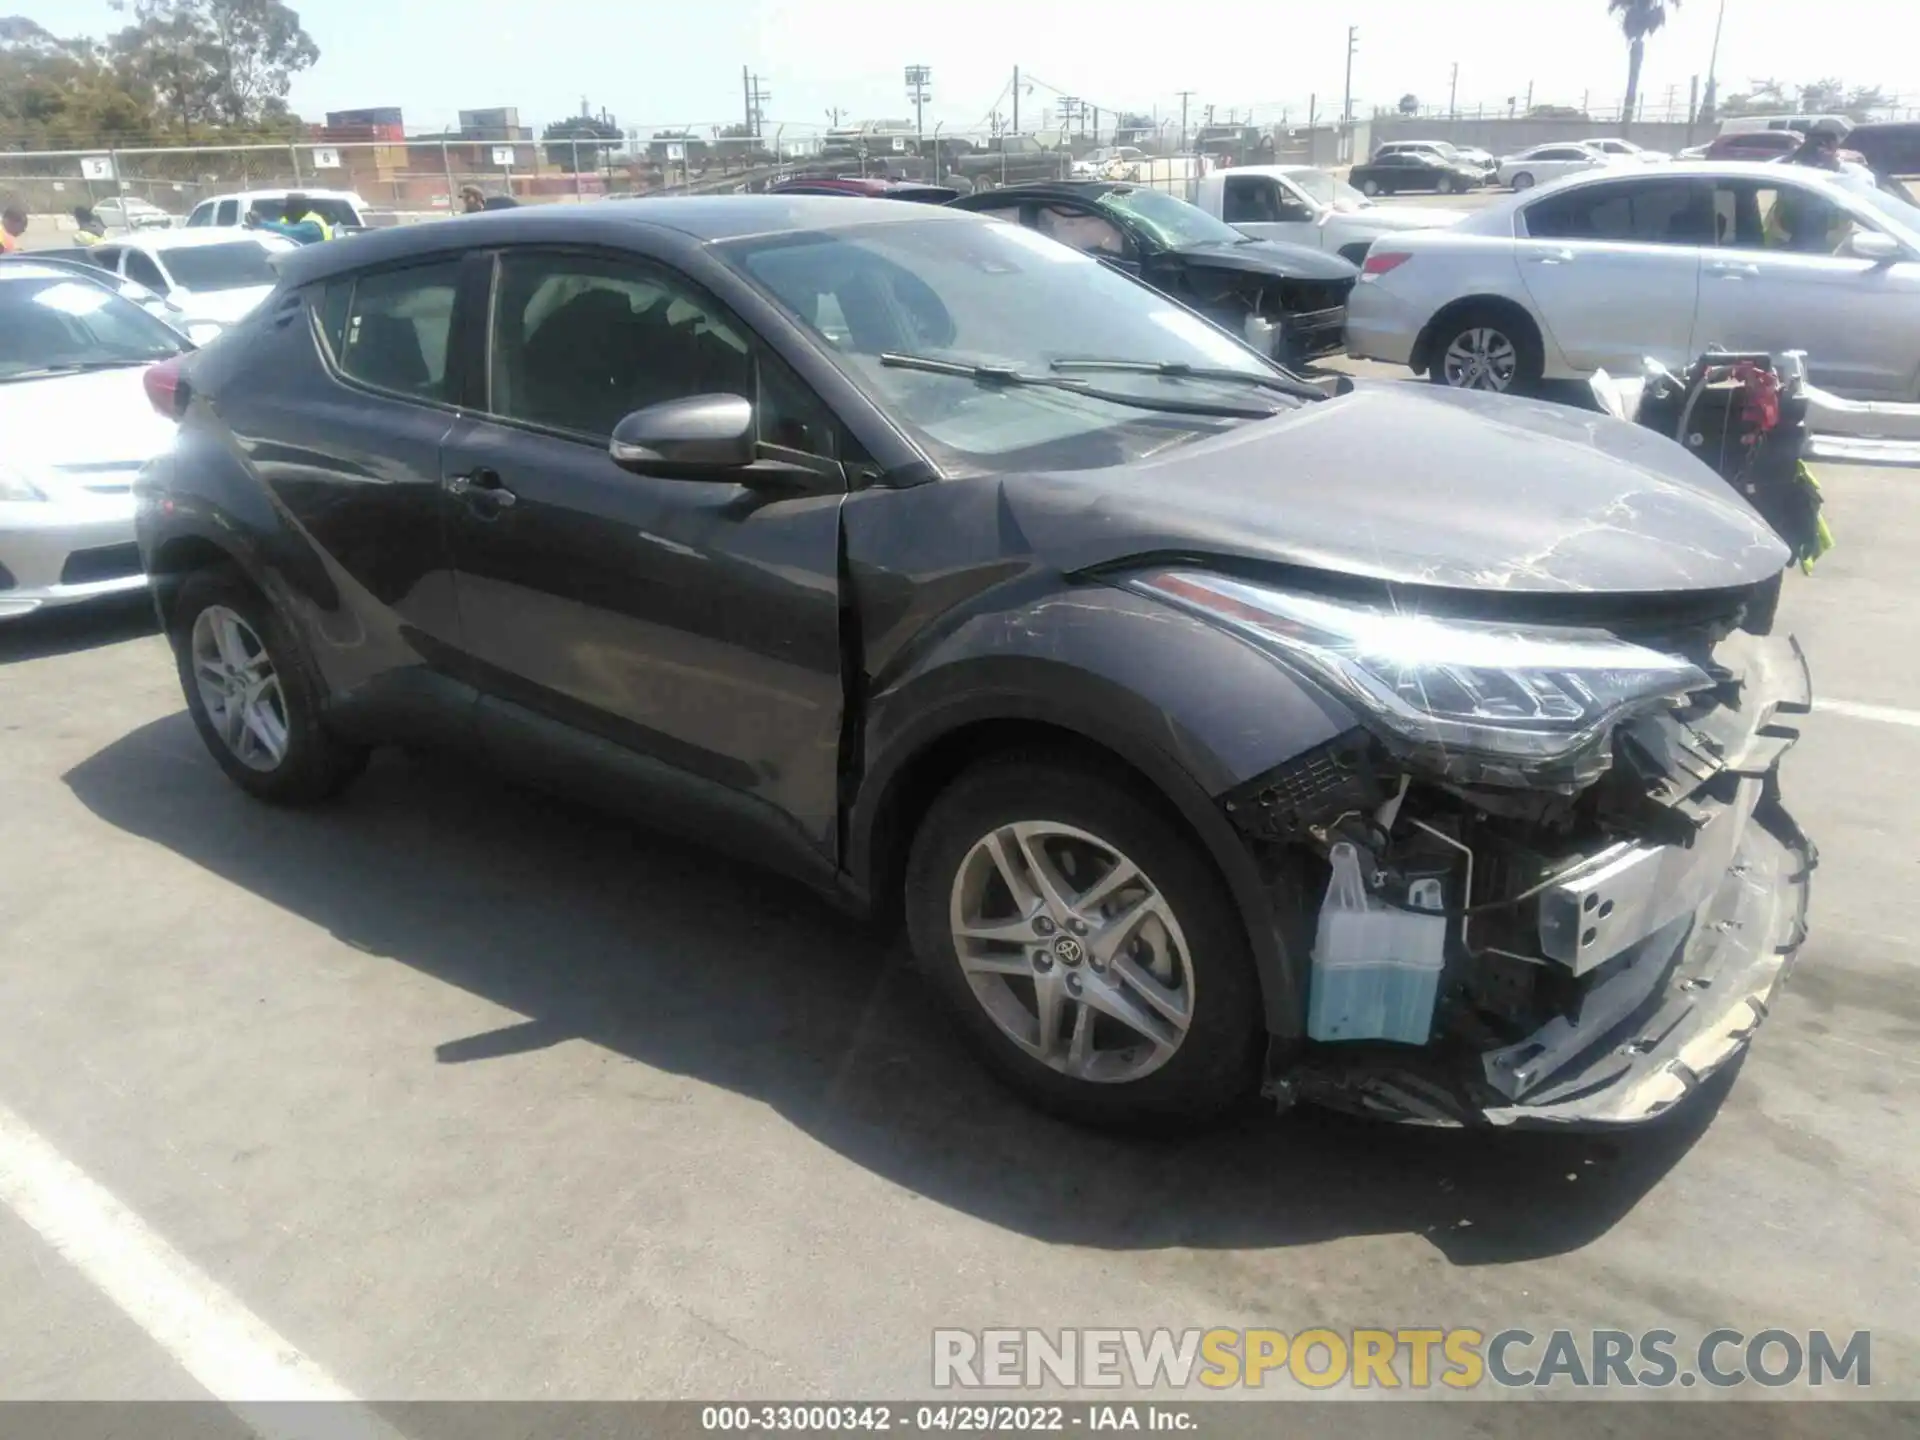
[
  {"x": 317, "y": 764},
  {"x": 1523, "y": 181},
  {"x": 1446, "y": 185},
  {"x": 1216, "y": 1064},
  {"x": 1529, "y": 351},
  {"x": 1369, "y": 186}
]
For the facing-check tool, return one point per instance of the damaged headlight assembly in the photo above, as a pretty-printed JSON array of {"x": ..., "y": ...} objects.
[{"x": 1477, "y": 701}]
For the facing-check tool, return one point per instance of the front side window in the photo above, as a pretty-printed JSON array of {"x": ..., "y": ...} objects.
[
  {"x": 970, "y": 294},
  {"x": 397, "y": 327},
  {"x": 202, "y": 216},
  {"x": 1092, "y": 234},
  {"x": 1174, "y": 223},
  {"x": 1647, "y": 212},
  {"x": 580, "y": 342},
  {"x": 1249, "y": 200},
  {"x": 1749, "y": 215}
]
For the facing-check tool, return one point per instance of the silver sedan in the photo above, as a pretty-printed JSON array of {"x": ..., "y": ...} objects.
[{"x": 77, "y": 427}]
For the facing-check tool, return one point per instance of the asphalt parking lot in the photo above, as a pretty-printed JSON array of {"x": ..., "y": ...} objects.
[{"x": 464, "y": 1093}]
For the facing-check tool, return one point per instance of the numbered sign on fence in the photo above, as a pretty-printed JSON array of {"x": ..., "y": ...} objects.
[
  {"x": 326, "y": 159},
  {"x": 96, "y": 167},
  {"x": 503, "y": 156},
  {"x": 899, "y": 142},
  {"x": 676, "y": 153}
]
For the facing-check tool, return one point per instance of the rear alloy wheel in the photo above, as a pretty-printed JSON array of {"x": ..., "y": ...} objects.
[
  {"x": 1523, "y": 181},
  {"x": 1485, "y": 349},
  {"x": 253, "y": 698},
  {"x": 1446, "y": 184},
  {"x": 1370, "y": 187},
  {"x": 1088, "y": 949}
]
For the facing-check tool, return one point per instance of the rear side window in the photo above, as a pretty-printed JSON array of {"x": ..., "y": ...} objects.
[
  {"x": 1648, "y": 212},
  {"x": 140, "y": 268},
  {"x": 394, "y": 328},
  {"x": 229, "y": 213}
]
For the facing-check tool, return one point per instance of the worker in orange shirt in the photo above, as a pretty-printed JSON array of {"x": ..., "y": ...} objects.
[{"x": 13, "y": 224}]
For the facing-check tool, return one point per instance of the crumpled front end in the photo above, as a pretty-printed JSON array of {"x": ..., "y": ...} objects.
[{"x": 1598, "y": 949}]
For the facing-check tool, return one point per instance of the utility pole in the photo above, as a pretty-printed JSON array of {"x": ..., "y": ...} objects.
[
  {"x": 1673, "y": 98},
  {"x": 1693, "y": 105},
  {"x": 834, "y": 112},
  {"x": 1711, "y": 104},
  {"x": 1016, "y": 100},
  {"x": 1529, "y": 97},
  {"x": 917, "y": 78},
  {"x": 756, "y": 106},
  {"x": 1345, "y": 151},
  {"x": 1453, "y": 94},
  {"x": 1185, "y": 95},
  {"x": 746, "y": 96}
]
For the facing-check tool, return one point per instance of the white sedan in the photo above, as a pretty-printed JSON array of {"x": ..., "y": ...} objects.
[
  {"x": 78, "y": 427},
  {"x": 1606, "y": 269},
  {"x": 212, "y": 275},
  {"x": 1548, "y": 162},
  {"x": 1620, "y": 149}
]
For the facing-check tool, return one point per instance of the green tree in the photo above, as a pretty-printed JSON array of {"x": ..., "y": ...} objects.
[
  {"x": 1409, "y": 104},
  {"x": 1638, "y": 19},
  {"x": 215, "y": 63},
  {"x": 594, "y": 135}
]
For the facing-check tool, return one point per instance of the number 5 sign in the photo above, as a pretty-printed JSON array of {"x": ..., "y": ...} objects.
[{"x": 96, "y": 167}]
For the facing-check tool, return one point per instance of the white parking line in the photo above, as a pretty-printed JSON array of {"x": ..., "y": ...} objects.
[
  {"x": 222, "y": 1344},
  {"x": 1885, "y": 714}
]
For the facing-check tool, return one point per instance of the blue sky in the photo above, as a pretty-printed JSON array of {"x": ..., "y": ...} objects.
[{"x": 661, "y": 64}]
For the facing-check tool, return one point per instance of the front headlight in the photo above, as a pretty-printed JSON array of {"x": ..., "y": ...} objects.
[
  {"x": 15, "y": 486},
  {"x": 1525, "y": 699}
]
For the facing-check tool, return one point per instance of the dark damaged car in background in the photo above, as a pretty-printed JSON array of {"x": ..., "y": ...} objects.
[
  {"x": 1286, "y": 301},
  {"x": 1406, "y": 751}
]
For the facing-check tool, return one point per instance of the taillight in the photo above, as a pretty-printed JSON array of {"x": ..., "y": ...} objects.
[
  {"x": 167, "y": 389},
  {"x": 1378, "y": 263}
]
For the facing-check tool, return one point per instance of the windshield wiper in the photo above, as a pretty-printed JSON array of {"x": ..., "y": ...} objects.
[
  {"x": 1180, "y": 370},
  {"x": 1008, "y": 376}
]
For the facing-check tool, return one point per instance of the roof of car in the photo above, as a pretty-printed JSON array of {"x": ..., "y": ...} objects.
[
  {"x": 701, "y": 217},
  {"x": 29, "y": 270},
  {"x": 199, "y": 235},
  {"x": 306, "y": 190},
  {"x": 1081, "y": 188}
]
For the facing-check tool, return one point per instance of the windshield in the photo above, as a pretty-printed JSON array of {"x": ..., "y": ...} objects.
[
  {"x": 1174, "y": 223},
  {"x": 230, "y": 265},
  {"x": 1321, "y": 188},
  {"x": 1898, "y": 208},
  {"x": 56, "y": 322},
  {"x": 987, "y": 292}
]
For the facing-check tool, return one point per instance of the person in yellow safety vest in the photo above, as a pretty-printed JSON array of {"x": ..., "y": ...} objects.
[
  {"x": 89, "y": 229},
  {"x": 298, "y": 221}
]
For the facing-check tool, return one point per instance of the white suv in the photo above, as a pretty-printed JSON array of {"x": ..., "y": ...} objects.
[{"x": 337, "y": 207}]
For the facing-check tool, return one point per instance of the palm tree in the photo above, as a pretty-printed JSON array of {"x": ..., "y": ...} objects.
[{"x": 1638, "y": 20}]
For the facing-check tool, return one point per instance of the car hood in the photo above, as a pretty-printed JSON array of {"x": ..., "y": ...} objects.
[
  {"x": 1269, "y": 257},
  {"x": 225, "y": 306},
  {"x": 1386, "y": 218},
  {"x": 1416, "y": 485},
  {"x": 93, "y": 425}
]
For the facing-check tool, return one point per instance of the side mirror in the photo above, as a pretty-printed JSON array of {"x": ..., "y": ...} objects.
[
  {"x": 700, "y": 437},
  {"x": 1874, "y": 246}
]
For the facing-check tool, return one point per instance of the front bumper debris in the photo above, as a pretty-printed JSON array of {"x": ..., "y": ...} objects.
[{"x": 1684, "y": 945}]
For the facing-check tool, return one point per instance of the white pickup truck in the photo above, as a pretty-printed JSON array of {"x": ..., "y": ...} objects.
[{"x": 1307, "y": 206}]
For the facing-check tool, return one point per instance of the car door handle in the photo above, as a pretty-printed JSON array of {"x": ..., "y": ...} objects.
[
  {"x": 1733, "y": 270},
  {"x": 481, "y": 484},
  {"x": 1552, "y": 257}
]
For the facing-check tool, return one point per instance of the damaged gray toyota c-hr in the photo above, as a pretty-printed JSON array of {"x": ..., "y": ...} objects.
[{"x": 1403, "y": 750}]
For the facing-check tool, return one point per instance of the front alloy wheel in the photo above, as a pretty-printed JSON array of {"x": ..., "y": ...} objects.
[
  {"x": 1481, "y": 358},
  {"x": 1072, "y": 951},
  {"x": 240, "y": 688},
  {"x": 1084, "y": 943}
]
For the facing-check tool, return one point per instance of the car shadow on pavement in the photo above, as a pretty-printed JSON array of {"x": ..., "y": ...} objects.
[
  {"x": 78, "y": 627},
  {"x": 691, "y": 963}
]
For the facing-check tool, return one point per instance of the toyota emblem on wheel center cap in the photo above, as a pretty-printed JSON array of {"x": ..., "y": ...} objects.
[{"x": 1068, "y": 950}]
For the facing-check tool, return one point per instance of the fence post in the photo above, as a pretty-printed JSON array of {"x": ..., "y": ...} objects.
[
  {"x": 119, "y": 185},
  {"x": 293, "y": 154},
  {"x": 446, "y": 163}
]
